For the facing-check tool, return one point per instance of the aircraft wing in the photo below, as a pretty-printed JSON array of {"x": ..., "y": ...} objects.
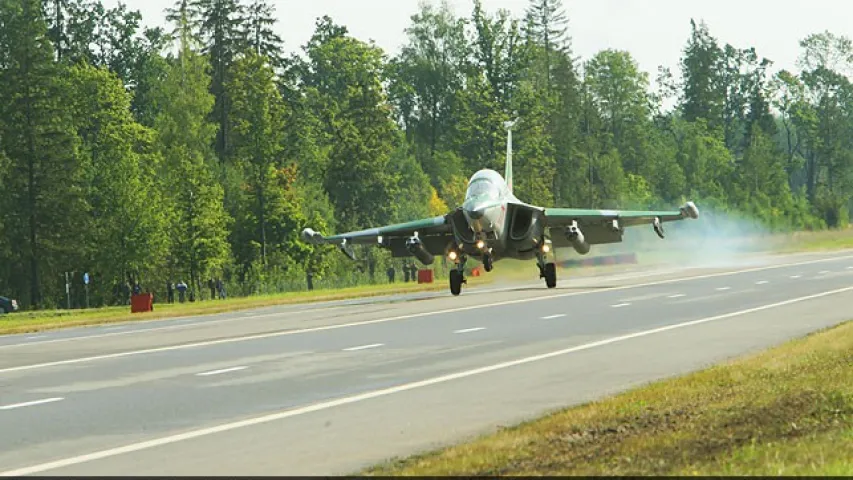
[
  {"x": 557, "y": 217},
  {"x": 389, "y": 236},
  {"x": 604, "y": 226}
]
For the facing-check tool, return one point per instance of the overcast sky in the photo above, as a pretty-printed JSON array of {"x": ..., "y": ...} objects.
[{"x": 654, "y": 31}]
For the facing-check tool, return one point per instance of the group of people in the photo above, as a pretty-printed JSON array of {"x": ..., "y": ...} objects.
[
  {"x": 217, "y": 290},
  {"x": 410, "y": 270}
]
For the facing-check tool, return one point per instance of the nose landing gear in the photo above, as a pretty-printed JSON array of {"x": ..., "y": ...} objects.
[{"x": 457, "y": 276}]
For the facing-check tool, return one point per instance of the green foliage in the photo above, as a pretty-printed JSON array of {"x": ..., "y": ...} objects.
[
  {"x": 126, "y": 228},
  {"x": 199, "y": 222},
  {"x": 43, "y": 195},
  {"x": 258, "y": 121},
  {"x": 134, "y": 164},
  {"x": 345, "y": 78}
]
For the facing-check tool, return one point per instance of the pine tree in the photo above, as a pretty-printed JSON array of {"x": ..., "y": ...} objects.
[
  {"x": 199, "y": 222},
  {"x": 44, "y": 201},
  {"x": 259, "y": 34},
  {"x": 547, "y": 26},
  {"x": 221, "y": 26},
  {"x": 703, "y": 94}
]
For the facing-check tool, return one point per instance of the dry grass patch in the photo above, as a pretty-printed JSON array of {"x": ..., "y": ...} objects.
[{"x": 785, "y": 411}]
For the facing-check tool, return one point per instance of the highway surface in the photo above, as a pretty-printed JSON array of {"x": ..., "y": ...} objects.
[{"x": 331, "y": 388}]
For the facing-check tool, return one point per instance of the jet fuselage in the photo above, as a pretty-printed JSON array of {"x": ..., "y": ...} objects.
[{"x": 494, "y": 221}]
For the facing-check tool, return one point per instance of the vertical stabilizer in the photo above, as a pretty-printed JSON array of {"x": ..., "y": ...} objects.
[{"x": 508, "y": 168}]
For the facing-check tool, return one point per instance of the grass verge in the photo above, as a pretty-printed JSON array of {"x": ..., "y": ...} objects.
[
  {"x": 814, "y": 241},
  {"x": 786, "y": 411},
  {"x": 28, "y": 322}
]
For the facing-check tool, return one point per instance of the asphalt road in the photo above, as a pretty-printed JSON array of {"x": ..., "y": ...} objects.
[{"x": 330, "y": 388}]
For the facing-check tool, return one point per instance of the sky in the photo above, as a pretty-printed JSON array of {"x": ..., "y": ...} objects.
[{"x": 653, "y": 31}]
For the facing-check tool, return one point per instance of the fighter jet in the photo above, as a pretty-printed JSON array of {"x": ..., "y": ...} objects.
[{"x": 492, "y": 224}]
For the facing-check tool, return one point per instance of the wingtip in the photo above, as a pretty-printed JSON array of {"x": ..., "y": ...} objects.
[
  {"x": 690, "y": 210},
  {"x": 310, "y": 236}
]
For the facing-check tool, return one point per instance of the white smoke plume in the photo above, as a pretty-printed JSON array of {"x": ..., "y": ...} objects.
[{"x": 715, "y": 240}]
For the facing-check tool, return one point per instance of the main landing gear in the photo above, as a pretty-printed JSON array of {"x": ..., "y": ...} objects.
[
  {"x": 487, "y": 262},
  {"x": 548, "y": 270}
]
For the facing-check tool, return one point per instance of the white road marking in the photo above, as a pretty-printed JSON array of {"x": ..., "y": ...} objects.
[
  {"x": 722, "y": 289},
  {"x": 363, "y": 347},
  {"x": 620, "y": 305},
  {"x": 33, "y": 337},
  {"x": 796, "y": 276},
  {"x": 823, "y": 272},
  {"x": 469, "y": 330},
  {"x": 677, "y": 295},
  {"x": 179, "y": 323},
  {"x": 201, "y": 322},
  {"x": 259, "y": 336},
  {"x": 157, "y": 442},
  {"x": 224, "y": 370},
  {"x": 30, "y": 404},
  {"x": 761, "y": 282},
  {"x": 550, "y": 317}
]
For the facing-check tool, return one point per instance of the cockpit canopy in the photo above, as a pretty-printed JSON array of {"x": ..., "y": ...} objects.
[{"x": 483, "y": 188}]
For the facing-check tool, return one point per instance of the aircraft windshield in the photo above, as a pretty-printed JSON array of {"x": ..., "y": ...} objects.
[{"x": 482, "y": 188}]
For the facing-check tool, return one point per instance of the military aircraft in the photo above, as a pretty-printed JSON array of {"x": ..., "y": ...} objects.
[{"x": 492, "y": 224}]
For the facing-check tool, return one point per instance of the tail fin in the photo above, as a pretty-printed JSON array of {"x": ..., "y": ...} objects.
[{"x": 508, "y": 170}]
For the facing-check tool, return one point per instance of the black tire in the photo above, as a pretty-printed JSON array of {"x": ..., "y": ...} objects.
[
  {"x": 455, "y": 282},
  {"x": 487, "y": 263},
  {"x": 551, "y": 275}
]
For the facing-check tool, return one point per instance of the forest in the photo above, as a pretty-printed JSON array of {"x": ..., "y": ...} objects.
[{"x": 201, "y": 150}]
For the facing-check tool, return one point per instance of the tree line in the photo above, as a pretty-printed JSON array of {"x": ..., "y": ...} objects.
[{"x": 200, "y": 151}]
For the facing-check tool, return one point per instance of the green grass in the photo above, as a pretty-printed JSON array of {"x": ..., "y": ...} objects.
[
  {"x": 786, "y": 411},
  {"x": 814, "y": 241},
  {"x": 27, "y": 322}
]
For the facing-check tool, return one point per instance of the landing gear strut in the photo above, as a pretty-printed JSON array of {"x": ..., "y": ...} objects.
[
  {"x": 548, "y": 270},
  {"x": 457, "y": 276},
  {"x": 487, "y": 262}
]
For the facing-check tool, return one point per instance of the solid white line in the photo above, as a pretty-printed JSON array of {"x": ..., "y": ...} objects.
[
  {"x": 677, "y": 295},
  {"x": 397, "y": 318},
  {"x": 224, "y": 370},
  {"x": 549, "y": 317},
  {"x": 620, "y": 305},
  {"x": 30, "y": 404},
  {"x": 721, "y": 289},
  {"x": 157, "y": 442},
  {"x": 469, "y": 330},
  {"x": 33, "y": 337},
  {"x": 363, "y": 347},
  {"x": 796, "y": 276},
  {"x": 761, "y": 282}
]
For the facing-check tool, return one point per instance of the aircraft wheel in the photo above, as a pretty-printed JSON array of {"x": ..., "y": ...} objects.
[
  {"x": 487, "y": 263},
  {"x": 455, "y": 282},
  {"x": 551, "y": 275}
]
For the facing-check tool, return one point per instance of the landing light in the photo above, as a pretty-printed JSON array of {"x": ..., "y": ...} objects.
[
  {"x": 546, "y": 248},
  {"x": 452, "y": 255},
  {"x": 481, "y": 244}
]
